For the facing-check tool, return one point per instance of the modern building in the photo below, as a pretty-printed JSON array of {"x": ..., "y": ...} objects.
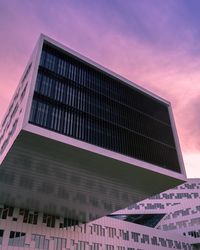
[
  {"x": 184, "y": 215},
  {"x": 79, "y": 142},
  {"x": 175, "y": 212},
  {"x": 170, "y": 220}
]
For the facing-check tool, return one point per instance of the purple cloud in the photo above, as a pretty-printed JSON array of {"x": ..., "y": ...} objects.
[{"x": 151, "y": 42}]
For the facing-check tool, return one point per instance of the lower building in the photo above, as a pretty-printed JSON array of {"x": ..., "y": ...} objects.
[{"x": 169, "y": 220}]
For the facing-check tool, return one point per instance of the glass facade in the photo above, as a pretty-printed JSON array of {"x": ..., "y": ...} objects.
[
  {"x": 78, "y": 100},
  {"x": 149, "y": 220}
]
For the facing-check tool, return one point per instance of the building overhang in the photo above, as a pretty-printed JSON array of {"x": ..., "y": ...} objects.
[{"x": 75, "y": 179}]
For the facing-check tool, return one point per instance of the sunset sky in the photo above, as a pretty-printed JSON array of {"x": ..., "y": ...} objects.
[{"x": 154, "y": 43}]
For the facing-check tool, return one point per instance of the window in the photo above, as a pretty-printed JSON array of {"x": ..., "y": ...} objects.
[
  {"x": 40, "y": 242},
  {"x": 1, "y": 236},
  {"x": 77, "y": 100},
  {"x": 17, "y": 239},
  {"x": 59, "y": 243}
]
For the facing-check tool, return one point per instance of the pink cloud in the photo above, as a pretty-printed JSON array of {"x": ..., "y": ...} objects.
[{"x": 171, "y": 72}]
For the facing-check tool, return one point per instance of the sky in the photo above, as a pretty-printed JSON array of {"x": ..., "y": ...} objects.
[{"x": 154, "y": 43}]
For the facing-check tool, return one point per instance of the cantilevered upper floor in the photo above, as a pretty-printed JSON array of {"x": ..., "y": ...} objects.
[{"x": 81, "y": 141}]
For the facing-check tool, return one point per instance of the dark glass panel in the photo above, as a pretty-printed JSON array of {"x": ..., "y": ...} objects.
[
  {"x": 78, "y": 100},
  {"x": 149, "y": 220}
]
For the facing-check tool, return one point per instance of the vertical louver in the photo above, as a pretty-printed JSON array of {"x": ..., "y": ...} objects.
[{"x": 78, "y": 100}]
